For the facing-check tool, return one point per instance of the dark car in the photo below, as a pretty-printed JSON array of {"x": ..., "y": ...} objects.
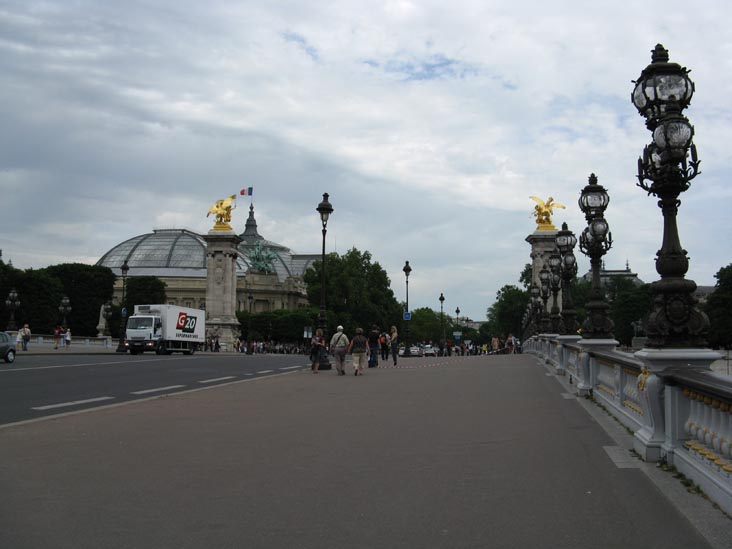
[{"x": 7, "y": 347}]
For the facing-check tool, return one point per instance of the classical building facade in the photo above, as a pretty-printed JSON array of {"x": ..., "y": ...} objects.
[{"x": 269, "y": 276}]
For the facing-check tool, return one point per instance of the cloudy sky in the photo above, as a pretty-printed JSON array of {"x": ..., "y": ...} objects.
[{"x": 429, "y": 123}]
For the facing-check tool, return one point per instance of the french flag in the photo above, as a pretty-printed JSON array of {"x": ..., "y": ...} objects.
[{"x": 247, "y": 192}]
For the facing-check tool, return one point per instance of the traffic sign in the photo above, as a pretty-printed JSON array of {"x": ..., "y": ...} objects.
[{"x": 407, "y": 316}]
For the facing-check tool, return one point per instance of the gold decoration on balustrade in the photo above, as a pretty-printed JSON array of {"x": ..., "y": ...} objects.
[
  {"x": 633, "y": 406},
  {"x": 642, "y": 377}
]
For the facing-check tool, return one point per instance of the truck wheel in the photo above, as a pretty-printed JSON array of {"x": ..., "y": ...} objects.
[{"x": 160, "y": 349}]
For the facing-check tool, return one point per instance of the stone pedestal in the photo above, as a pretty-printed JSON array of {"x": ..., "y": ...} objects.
[
  {"x": 650, "y": 441},
  {"x": 542, "y": 246},
  {"x": 221, "y": 255}
]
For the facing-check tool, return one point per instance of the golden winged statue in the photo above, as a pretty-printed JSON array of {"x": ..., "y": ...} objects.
[
  {"x": 222, "y": 211},
  {"x": 543, "y": 212}
]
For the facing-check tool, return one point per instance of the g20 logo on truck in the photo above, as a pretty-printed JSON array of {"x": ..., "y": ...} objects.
[{"x": 186, "y": 324}]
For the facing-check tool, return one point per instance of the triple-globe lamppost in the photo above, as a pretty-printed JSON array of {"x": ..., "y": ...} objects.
[
  {"x": 555, "y": 263},
  {"x": 544, "y": 280},
  {"x": 595, "y": 241},
  {"x": 123, "y": 313},
  {"x": 442, "y": 322},
  {"x": 407, "y": 269},
  {"x": 64, "y": 308},
  {"x": 566, "y": 241},
  {"x": 12, "y": 303},
  {"x": 324, "y": 209},
  {"x": 665, "y": 170}
]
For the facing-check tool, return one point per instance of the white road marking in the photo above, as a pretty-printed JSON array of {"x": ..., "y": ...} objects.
[
  {"x": 74, "y": 403},
  {"x": 290, "y": 367},
  {"x": 217, "y": 379},
  {"x": 265, "y": 371},
  {"x": 156, "y": 390},
  {"x": 249, "y": 374}
]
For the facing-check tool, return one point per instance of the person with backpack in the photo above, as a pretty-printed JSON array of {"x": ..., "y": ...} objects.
[
  {"x": 359, "y": 348},
  {"x": 338, "y": 346},
  {"x": 384, "y": 343},
  {"x": 374, "y": 346}
]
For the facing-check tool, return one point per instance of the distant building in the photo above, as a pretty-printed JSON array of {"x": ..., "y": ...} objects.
[
  {"x": 270, "y": 273},
  {"x": 606, "y": 276}
]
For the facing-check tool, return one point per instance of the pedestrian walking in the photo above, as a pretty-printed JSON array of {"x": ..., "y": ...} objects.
[
  {"x": 394, "y": 341},
  {"x": 56, "y": 336},
  {"x": 359, "y": 349},
  {"x": 374, "y": 346},
  {"x": 26, "y": 335},
  {"x": 67, "y": 337},
  {"x": 495, "y": 344},
  {"x": 384, "y": 345},
  {"x": 19, "y": 341},
  {"x": 338, "y": 347},
  {"x": 510, "y": 344},
  {"x": 317, "y": 350}
]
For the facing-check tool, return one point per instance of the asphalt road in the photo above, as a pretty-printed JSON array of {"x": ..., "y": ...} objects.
[
  {"x": 48, "y": 384},
  {"x": 463, "y": 452}
]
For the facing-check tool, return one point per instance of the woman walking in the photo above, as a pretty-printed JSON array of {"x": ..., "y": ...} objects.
[
  {"x": 359, "y": 348},
  {"x": 394, "y": 337},
  {"x": 317, "y": 351}
]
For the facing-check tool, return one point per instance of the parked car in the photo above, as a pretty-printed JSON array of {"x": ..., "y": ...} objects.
[
  {"x": 7, "y": 347},
  {"x": 416, "y": 350},
  {"x": 429, "y": 350}
]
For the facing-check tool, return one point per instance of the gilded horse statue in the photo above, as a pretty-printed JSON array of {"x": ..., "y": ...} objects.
[
  {"x": 222, "y": 211},
  {"x": 543, "y": 212}
]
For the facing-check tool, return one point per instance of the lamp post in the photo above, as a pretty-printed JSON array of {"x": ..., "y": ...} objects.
[
  {"x": 566, "y": 242},
  {"x": 595, "y": 241},
  {"x": 545, "y": 279},
  {"x": 442, "y": 321},
  {"x": 64, "y": 308},
  {"x": 12, "y": 303},
  {"x": 107, "y": 314},
  {"x": 535, "y": 293},
  {"x": 661, "y": 93},
  {"x": 407, "y": 269},
  {"x": 324, "y": 209},
  {"x": 123, "y": 316},
  {"x": 555, "y": 263},
  {"x": 250, "y": 299}
]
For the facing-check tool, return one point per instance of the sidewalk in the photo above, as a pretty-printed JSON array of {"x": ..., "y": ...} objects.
[{"x": 467, "y": 452}]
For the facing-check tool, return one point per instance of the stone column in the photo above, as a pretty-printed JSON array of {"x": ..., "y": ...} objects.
[
  {"x": 221, "y": 255},
  {"x": 542, "y": 245}
]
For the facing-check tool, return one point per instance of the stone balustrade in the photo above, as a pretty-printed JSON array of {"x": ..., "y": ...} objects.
[{"x": 680, "y": 414}]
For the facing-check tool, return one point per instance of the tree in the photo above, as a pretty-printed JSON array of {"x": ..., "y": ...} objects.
[
  {"x": 526, "y": 277},
  {"x": 719, "y": 309},
  {"x": 425, "y": 326},
  {"x": 357, "y": 290},
  {"x": 629, "y": 303},
  {"x": 144, "y": 290},
  {"x": 506, "y": 314},
  {"x": 88, "y": 287}
]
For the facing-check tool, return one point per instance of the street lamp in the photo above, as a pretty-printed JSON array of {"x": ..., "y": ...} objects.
[
  {"x": 64, "y": 308},
  {"x": 107, "y": 314},
  {"x": 545, "y": 280},
  {"x": 250, "y": 347},
  {"x": 442, "y": 322},
  {"x": 566, "y": 242},
  {"x": 661, "y": 93},
  {"x": 123, "y": 312},
  {"x": 324, "y": 209},
  {"x": 535, "y": 293},
  {"x": 12, "y": 303},
  {"x": 555, "y": 263},
  {"x": 595, "y": 241},
  {"x": 407, "y": 269}
]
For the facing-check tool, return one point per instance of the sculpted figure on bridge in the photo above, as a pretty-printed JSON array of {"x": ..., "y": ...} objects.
[
  {"x": 222, "y": 211},
  {"x": 543, "y": 212}
]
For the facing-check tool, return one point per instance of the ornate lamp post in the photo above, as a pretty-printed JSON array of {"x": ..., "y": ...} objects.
[
  {"x": 595, "y": 241},
  {"x": 661, "y": 93},
  {"x": 442, "y": 322},
  {"x": 407, "y": 269},
  {"x": 566, "y": 242},
  {"x": 250, "y": 299},
  {"x": 64, "y": 308},
  {"x": 107, "y": 314},
  {"x": 545, "y": 279},
  {"x": 324, "y": 209},
  {"x": 555, "y": 263},
  {"x": 12, "y": 303},
  {"x": 123, "y": 317},
  {"x": 535, "y": 309}
]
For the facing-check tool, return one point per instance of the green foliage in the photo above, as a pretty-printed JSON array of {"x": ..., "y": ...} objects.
[
  {"x": 719, "y": 309},
  {"x": 526, "y": 276},
  {"x": 629, "y": 303},
  {"x": 358, "y": 292},
  {"x": 505, "y": 315},
  {"x": 580, "y": 296},
  {"x": 144, "y": 290},
  {"x": 281, "y": 326},
  {"x": 88, "y": 287},
  {"x": 425, "y": 326}
]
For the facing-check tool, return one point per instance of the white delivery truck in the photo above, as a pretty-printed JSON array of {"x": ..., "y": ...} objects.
[{"x": 164, "y": 329}]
